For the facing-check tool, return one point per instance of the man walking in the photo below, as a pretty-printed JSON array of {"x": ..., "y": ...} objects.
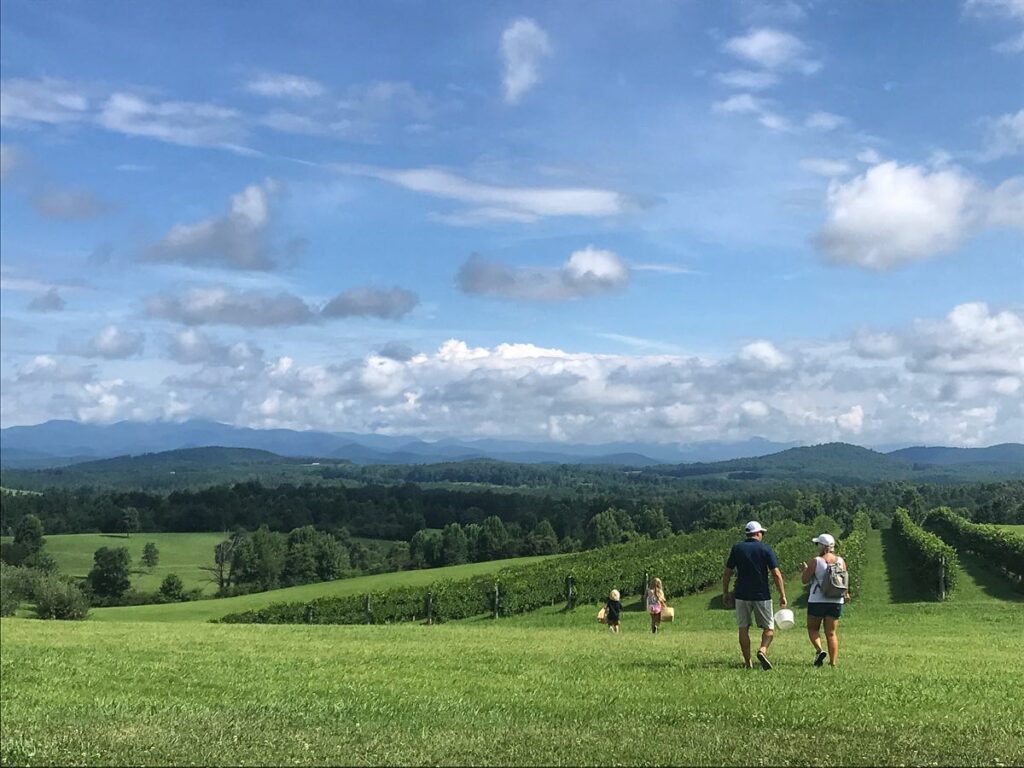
[{"x": 752, "y": 560}]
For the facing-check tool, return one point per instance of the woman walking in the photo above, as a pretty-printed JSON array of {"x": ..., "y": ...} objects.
[
  {"x": 654, "y": 598},
  {"x": 828, "y": 578}
]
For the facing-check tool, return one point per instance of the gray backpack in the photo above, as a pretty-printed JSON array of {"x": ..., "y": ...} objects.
[{"x": 836, "y": 580}]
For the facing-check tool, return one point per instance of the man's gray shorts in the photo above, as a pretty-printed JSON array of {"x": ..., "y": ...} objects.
[{"x": 762, "y": 610}]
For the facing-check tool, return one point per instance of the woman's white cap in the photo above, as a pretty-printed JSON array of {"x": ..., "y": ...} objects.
[{"x": 825, "y": 540}]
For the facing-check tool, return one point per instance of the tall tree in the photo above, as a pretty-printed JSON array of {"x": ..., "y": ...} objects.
[
  {"x": 150, "y": 555},
  {"x": 110, "y": 574},
  {"x": 454, "y": 546}
]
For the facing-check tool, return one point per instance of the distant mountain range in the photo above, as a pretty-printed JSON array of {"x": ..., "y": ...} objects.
[
  {"x": 168, "y": 445},
  {"x": 60, "y": 443}
]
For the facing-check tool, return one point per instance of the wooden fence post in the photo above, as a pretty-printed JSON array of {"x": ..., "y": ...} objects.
[
  {"x": 367, "y": 610},
  {"x": 430, "y": 607},
  {"x": 570, "y": 593},
  {"x": 495, "y": 615},
  {"x": 942, "y": 579}
]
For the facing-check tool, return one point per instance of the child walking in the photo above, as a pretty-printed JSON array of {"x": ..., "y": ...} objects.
[
  {"x": 655, "y": 601},
  {"x": 614, "y": 607}
]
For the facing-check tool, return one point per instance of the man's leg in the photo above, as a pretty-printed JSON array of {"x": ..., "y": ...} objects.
[
  {"x": 766, "y": 639},
  {"x": 745, "y": 644}
]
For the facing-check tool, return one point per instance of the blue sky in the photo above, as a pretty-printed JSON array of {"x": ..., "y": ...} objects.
[{"x": 572, "y": 221}]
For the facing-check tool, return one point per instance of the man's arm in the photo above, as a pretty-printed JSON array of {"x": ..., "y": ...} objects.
[
  {"x": 726, "y": 594},
  {"x": 781, "y": 586}
]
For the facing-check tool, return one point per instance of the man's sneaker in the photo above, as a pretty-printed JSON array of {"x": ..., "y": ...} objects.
[
  {"x": 761, "y": 657},
  {"x": 819, "y": 658}
]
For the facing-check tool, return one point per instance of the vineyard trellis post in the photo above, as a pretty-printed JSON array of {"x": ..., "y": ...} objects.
[
  {"x": 942, "y": 579},
  {"x": 570, "y": 593},
  {"x": 430, "y": 607},
  {"x": 366, "y": 610},
  {"x": 495, "y": 599}
]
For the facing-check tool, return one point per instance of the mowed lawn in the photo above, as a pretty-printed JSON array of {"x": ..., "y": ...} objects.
[
  {"x": 204, "y": 610},
  {"x": 180, "y": 553},
  {"x": 918, "y": 683}
]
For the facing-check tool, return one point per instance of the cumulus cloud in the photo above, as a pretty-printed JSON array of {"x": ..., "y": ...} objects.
[
  {"x": 71, "y": 204},
  {"x": 237, "y": 239},
  {"x": 47, "y": 369},
  {"x": 285, "y": 86},
  {"x": 188, "y": 123},
  {"x": 523, "y": 204},
  {"x": 192, "y": 346},
  {"x": 51, "y": 301},
  {"x": 24, "y": 102},
  {"x": 1004, "y": 136},
  {"x": 524, "y": 45},
  {"x": 112, "y": 343},
  {"x": 371, "y": 302},
  {"x": 773, "y": 49},
  {"x": 587, "y": 272},
  {"x": 895, "y": 214},
  {"x": 222, "y": 306},
  {"x": 953, "y": 379}
]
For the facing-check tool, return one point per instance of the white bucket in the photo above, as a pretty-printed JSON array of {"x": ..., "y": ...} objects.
[{"x": 784, "y": 619}]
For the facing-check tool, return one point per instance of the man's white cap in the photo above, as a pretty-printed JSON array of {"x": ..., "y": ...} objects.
[
  {"x": 824, "y": 539},
  {"x": 754, "y": 527}
]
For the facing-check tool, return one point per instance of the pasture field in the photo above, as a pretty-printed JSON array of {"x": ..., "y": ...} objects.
[
  {"x": 918, "y": 683},
  {"x": 180, "y": 553},
  {"x": 205, "y": 610},
  {"x": 1018, "y": 529}
]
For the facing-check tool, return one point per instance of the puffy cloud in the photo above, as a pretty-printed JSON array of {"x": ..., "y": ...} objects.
[
  {"x": 370, "y": 302},
  {"x": 47, "y": 369},
  {"x": 746, "y": 104},
  {"x": 190, "y": 346},
  {"x": 772, "y": 49},
  {"x": 971, "y": 339},
  {"x": 222, "y": 306},
  {"x": 113, "y": 343},
  {"x": 237, "y": 239},
  {"x": 497, "y": 203},
  {"x": 763, "y": 354},
  {"x": 587, "y": 272},
  {"x": 51, "y": 301},
  {"x": 176, "y": 122},
  {"x": 48, "y": 101},
  {"x": 852, "y": 420},
  {"x": 895, "y": 214},
  {"x": 523, "y": 46},
  {"x": 285, "y": 86},
  {"x": 70, "y": 204}
]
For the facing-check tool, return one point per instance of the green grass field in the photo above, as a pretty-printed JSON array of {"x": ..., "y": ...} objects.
[
  {"x": 1018, "y": 529},
  {"x": 918, "y": 683},
  {"x": 180, "y": 553}
]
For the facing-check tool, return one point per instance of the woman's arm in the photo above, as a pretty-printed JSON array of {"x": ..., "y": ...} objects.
[{"x": 808, "y": 570}]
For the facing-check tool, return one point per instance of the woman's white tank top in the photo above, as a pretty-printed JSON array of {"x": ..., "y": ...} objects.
[{"x": 819, "y": 575}]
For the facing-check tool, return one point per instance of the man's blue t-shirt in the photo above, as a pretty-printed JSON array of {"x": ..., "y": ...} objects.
[{"x": 752, "y": 560}]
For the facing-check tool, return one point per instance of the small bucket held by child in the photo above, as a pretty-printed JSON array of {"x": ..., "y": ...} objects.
[{"x": 602, "y": 615}]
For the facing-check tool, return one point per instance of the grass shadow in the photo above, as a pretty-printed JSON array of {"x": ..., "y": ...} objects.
[
  {"x": 904, "y": 587},
  {"x": 991, "y": 581},
  {"x": 115, "y": 536}
]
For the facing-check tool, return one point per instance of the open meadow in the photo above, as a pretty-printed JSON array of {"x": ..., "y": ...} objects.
[{"x": 918, "y": 683}]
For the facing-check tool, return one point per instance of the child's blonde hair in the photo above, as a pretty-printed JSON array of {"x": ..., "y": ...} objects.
[
  {"x": 615, "y": 594},
  {"x": 656, "y": 587}
]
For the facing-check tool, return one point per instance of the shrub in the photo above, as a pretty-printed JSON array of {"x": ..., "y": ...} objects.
[
  {"x": 57, "y": 598},
  {"x": 9, "y": 600},
  {"x": 171, "y": 588},
  {"x": 1001, "y": 548},
  {"x": 853, "y": 548},
  {"x": 927, "y": 554}
]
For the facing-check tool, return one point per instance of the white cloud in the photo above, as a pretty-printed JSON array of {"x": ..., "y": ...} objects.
[
  {"x": 763, "y": 354},
  {"x": 237, "y": 239},
  {"x": 112, "y": 343},
  {"x": 177, "y": 122},
  {"x": 222, "y": 306},
  {"x": 1004, "y": 136},
  {"x": 285, "y": 86},
  {"x": 668, "y": 269},
  {"x": 869, "y": 157},
  {"x": 521, "y": 204},
  {"x": 825, "y": 167},
  {"x": 587, "y": 272},
  {"x": 997, "y": 8},
  {"x": 9, "y": 159},
  {"x": 47, "y": 369},
  {"x": 523, "y": 46},
  {"x": 747, "y": 104},
  {"x": 49, "y": 101},
  {"x": 824, "y": 121},
  {"x": 896, "y": 214},
  {"x": 852, "y": 420},
  {"x": 773, "y": 49},
  {"x": 748, "y": 80},
  {"x": 1011, "y": 45}
]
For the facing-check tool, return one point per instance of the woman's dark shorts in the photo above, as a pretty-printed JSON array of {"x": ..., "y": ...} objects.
[{"x": 821, "y": 610}]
